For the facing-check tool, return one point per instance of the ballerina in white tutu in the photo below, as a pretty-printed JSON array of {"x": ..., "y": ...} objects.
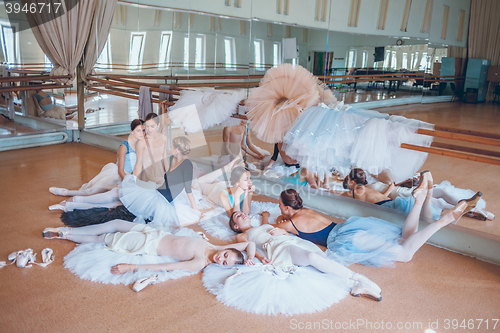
[
  {"x": 285, "y": 252},
  {"x": 366, "y": 240},
  {"x": 192, "y": 254},
  {"x": 129, "y": 161}
]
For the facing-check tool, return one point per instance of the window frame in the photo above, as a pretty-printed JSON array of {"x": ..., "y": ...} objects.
[
  {"x": 232, "y": 53},
  {"x": 168, "y": 51},
  {"x": 15, "y": 53},
  {"x": 141, "y": 51},
  {"x": 200, "y": 66},
  {"x": 261, "y": 66}
]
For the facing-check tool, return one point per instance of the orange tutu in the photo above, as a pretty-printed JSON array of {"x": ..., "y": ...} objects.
[{"x": 283, "y": 93}]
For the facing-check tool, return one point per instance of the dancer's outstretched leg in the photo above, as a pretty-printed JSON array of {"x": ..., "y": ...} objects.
[
  {"x": 89, "y": 234},
  {"x": 420, "y": 194},
  {"x": 214, "y": 175},
  {"x": 360, "y": 284},
  {"x": 415, "y": 241},
  {"x": 427, "y": 208}
]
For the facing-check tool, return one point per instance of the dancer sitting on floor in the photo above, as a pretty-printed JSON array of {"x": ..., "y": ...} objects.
[
  {"x": 129, "y": 161},
  {"x": 284, "y": 252},
  {"x": 238, "y": 197},
  {"x": 366, "y": 240},
  {"x": 120, "y": 236},
  {"x": 236, "y": 139}
]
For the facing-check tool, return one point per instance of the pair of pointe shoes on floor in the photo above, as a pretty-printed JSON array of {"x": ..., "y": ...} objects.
[
  {"x": 463, "y": 207},
  {"x": 362, "y": 286}
]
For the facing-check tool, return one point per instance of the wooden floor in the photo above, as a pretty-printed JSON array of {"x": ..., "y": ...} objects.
[{"x": 435, "y": 286}]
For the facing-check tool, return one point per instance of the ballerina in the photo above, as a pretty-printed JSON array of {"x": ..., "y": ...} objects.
[
  {"x": 238, "y": 197},
  {"x": 129, "y": 161},
  {"x": 284, "y": 252},
  {"x": 120, "y": 236},
  {"x": 366, "y": 240},
  {"x": 155, "y": 145}
]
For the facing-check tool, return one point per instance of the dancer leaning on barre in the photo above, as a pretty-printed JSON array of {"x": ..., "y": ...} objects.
[
  {"x": 366, "y": 240},
  {"x": 120, "y": 236},
  {"x": 129, "y": 161}
]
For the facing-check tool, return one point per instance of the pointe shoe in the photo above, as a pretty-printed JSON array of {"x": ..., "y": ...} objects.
[
  {"x": 365, "y": 281},
  {"x": 143, "y": 283},
  {"x": 58, "y": 191},
  {"x": 430, "y": 180},
  {"x": 58, "y": 206},
  {"x": 463, "y": 207},
  {"x": 481, "y": 214},
  {"x": 422, "y": 186},
  {"x": 51, "y": 233},
  {"x": 361, "y": 289}
]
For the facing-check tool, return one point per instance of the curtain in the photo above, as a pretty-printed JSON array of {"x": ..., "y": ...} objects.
[
  {"x": 101, "y": 24},
  {"x": 63, "y": 37},
  {"x": 484, "y": 34}
]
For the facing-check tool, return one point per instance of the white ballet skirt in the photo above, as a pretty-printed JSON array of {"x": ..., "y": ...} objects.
[
  {"x": 377, "y": 148},
  {"x": 146, "y": 202},
  {"x": 107, "y": 179},
  {"x": 93, "y": 262},
  {"x": 216, "y": 221},
  {"x": 323, "y": 138},
  {"x": 212, "y": 108},
  {"x": 460, "y": 193},
  {"x": 259, "y": 290}
]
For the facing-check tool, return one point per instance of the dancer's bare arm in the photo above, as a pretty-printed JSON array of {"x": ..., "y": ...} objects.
[
  {"x": 190, "y": 265},
  {"x": 139, "y": 150}
]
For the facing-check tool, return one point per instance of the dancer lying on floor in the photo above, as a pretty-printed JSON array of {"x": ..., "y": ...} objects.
[
  {"x": 284, "y": 252},
  {"x": 442, "y": 196},
  {"x": 129, "y": 161},
  {"x": 192, "y": 253},
  {"x": 366, "y": 240},
  {"x": 238, "y": 197}
]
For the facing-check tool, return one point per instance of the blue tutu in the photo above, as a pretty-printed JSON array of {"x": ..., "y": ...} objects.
[
  {"x": 364, "y": 240},
  {"x": 406, "y": 204}
]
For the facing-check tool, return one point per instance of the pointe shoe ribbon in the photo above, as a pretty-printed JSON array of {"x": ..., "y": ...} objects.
[{"x": 26, "y": 258}]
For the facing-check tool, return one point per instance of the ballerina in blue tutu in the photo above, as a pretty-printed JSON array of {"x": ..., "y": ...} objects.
[{"x": 366, "y": 240}]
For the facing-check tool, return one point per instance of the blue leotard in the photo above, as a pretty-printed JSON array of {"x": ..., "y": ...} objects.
[
  {"x": 130, "y": 157},
  {"x": 231, "y": 199},
  {"x": 319, "y": 237},
  {"x": 295, "y": 179}
]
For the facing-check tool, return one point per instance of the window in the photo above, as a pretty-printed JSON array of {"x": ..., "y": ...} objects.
[
  {"x": 276, "y": 54},
  {"x": 186, "y": 52},
  {"x": 9, "y": 43},
  {"x": 136, "y": 50},
  {"x": 199, "y": 55},
  {"x": 386, "y": 59},
  {"x": 394, "y": 60},
  {"x": 351, "y": 61},
  {"x": 104, "y": 60},
  {"x": 165, "y": 46},
  {"x": 365, "y": 59},
  {"x": 423, "y": 61},
  {"x": 48, "y": 63},
  {"x": 411, "y": 60},
  {"x": 415, "y": 61},
  {"x": 230, "y": 53},
  {"x": 258, "y": 46},
  {"x": 405, "y": 61}
]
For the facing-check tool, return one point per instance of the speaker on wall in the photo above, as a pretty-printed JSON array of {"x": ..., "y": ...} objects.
[{"x": 379, "y": 54}]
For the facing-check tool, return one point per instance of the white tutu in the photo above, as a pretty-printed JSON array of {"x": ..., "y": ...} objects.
[
  {"x": 212, "y": 108},
  {"x": 216, "y": 221},
  {"x": 458, "y": 193},
  {"x": 322, "y": 138},
  {"x": 107, "y": 179},
  {"x": 146, "y": 203},
  {"x": 93, "y": 262},
  {"x": 258, "y": 290},
  {"x": 378, "y": 148}
]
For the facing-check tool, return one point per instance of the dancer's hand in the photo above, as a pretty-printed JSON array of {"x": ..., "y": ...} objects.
[
  {"x": 249, "y": 262},
  {"x": 122, "y": 268},
  {"x": 278, "y": 232},
  {"x": 266, "y": 261},
  {"x": 265, "y": 214}
]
